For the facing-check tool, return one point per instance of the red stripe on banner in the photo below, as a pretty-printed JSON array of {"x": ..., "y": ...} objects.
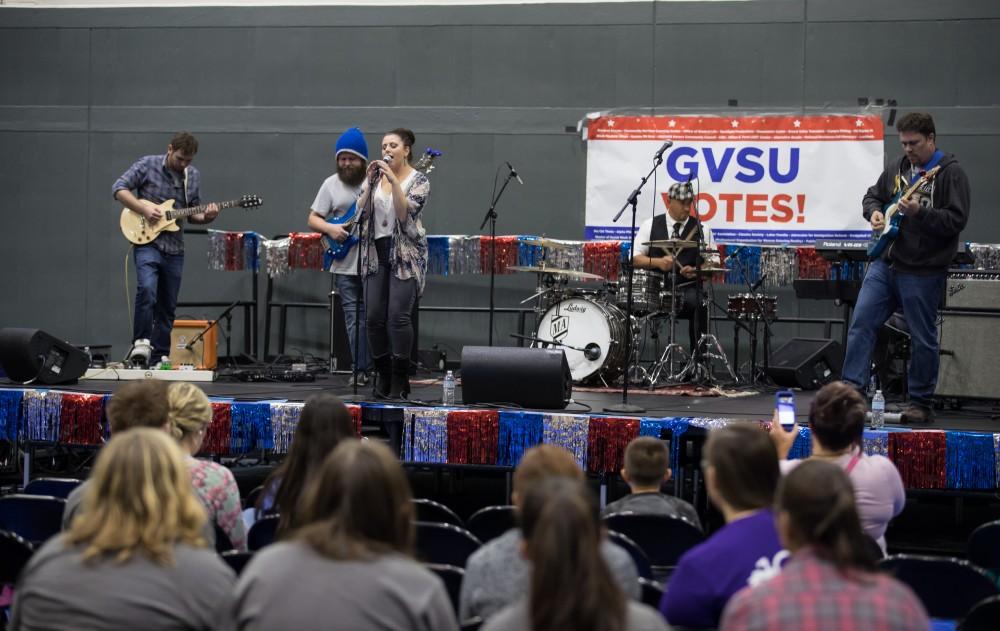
[{"x": 736, "y": 128}]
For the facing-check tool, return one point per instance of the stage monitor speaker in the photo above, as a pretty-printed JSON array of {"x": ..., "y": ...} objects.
[
  {"x": 529, "y": 377},
  {"x": 806, "y": 363},
  {"x": 32, "y": 355},
  {"x": 969, "y": 351}
]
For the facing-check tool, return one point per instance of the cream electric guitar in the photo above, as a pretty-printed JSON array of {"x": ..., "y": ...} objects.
[{"x": 141, "y": 231}]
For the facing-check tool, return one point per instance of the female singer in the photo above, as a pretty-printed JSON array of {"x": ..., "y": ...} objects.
[{"x": 395, "y": 250}]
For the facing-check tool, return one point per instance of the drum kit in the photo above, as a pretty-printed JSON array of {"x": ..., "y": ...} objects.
[{"x": 590, "y": 323}]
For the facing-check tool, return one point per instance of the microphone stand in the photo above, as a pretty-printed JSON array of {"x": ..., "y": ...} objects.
[
  {"x": 368, "y": 208},
  {"x": 633, "y": 200},
  {"x": 491, "y": 216},
  {"x": 190, "y": 345}
]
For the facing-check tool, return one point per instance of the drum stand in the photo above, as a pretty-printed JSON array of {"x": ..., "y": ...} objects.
[
  {"x": 702, "y": 355},
  {"x": 674, "y": 352}
]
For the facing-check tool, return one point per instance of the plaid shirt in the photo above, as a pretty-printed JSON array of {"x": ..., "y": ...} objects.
[
  {"x": 149, "y": 178},
  {"x": 811, "y": 594}
]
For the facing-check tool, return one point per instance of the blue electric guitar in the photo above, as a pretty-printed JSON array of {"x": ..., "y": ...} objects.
[
  {"x": 894, "y": 216},
  {"x": 338, "y": 250}
]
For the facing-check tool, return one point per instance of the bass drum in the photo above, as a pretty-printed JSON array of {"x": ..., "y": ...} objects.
[{"x": 597, "y": 328}]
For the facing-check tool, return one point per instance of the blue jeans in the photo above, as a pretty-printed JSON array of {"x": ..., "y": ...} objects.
[
  {"x": 349, "y": 288},
  {"x": 882, "y": 293},
  {"x": 158, "y": 278}
]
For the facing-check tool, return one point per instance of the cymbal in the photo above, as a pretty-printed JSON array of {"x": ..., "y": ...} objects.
[
  {"x": 671, "y": 243},
  {"x": 555, "y": 271},
  {"x": 713, "y": 270},
  {"x": 543, "y": 243}
]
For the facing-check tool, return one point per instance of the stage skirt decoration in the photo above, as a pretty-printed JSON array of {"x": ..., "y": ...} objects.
[
  {"x": 10, "y": 414},
  {"x": 472, "y": 436},
  {"x": 80, "y": 419},
  {"x": 603, "y": 258},
  {"x": 518, "y": 432},
  {"x": 506, "y": 254},
  {"x": 305, "y": 251},
  {"x": 920, "y": 457},
  {"x": 926, "y": 459}
]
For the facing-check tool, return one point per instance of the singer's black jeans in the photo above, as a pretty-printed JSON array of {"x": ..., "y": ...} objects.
[{"x": 388, "y": 305}]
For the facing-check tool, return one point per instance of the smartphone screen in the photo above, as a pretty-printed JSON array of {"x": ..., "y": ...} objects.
[{"x": 785, "y": 402}]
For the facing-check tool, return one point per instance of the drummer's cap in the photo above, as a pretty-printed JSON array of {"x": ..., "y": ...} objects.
[{"x": 681, "y": 191}]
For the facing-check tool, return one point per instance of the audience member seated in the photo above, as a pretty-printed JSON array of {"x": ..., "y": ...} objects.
[
  {"x": 497, "y": 574},
  {"x": 135, "y": 557},
  {"x": 134, "y": 404},
  {"x": 830, "y": 580},
  {"x": 190, "y": 415},
  {"x": 647, "y": 466},
  {"x": 323, "y": 424},
  {"x": 571, "y": 586},
  {"x": 350, "y": 565},
  {"x": 741, "y": 474},
  {"x": 837, "y": 422}
]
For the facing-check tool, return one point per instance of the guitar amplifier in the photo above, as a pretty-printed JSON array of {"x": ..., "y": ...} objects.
[
  {"x": 969, "y": 351},
  {"x": 966, "y": 291},
  {"x": 203, "y": 355}
]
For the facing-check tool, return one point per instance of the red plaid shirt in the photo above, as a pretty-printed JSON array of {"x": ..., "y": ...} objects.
[{"x": 812, "y": 595}]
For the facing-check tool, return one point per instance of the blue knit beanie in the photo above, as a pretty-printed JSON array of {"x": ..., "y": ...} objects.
[{"x": 353, "y": 141}]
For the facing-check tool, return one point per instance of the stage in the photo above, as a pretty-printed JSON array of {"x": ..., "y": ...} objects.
[{"x": 738, "y": 403}]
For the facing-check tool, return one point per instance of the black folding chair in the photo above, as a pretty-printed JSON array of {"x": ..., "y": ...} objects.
[
  {"x": 53, "y": 487},
  {"x": 14, "y": 555},
  {"x": 663, "y": 538},
  {"x": 262, "y": 532},
  {"x": 445, "y": 544},
  {"x": 491, "y": 522},
  {"x": 639, "y": 557},
  {"x": 452, "y": 577},
  {"x": 436, "y": 512},
  {"x": 983, "y": 547},
  {"x": 236, "y": 560},
  {"x": 948, "y": 587},
  {"x": 222, "y": 542},
  {"x": 34, "y": 517},
  {"x": 652, "y": 592},
  {"x": 984, "y": 616}
]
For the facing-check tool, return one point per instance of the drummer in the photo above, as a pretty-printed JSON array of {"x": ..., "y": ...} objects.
[{"x": 678, "y": 223}]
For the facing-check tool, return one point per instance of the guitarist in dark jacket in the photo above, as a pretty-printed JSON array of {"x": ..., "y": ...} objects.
[{"x": 910, "y": 273}]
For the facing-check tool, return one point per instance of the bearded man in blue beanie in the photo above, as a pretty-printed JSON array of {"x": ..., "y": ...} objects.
[{"x": 337, "y": 199}]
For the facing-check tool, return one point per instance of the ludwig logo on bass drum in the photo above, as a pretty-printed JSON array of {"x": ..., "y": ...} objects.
[{"x": 575, "y": 308}]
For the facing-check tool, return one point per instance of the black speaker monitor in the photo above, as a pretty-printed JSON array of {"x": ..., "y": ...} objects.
[
  {"x": 529, "y": 377},
  {"x": 806, "y": 363},
  {"x": 32, "y": 355}
]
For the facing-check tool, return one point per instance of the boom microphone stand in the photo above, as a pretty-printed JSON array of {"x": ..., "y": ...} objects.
[
  {"x": 633, "y": 200},
  {"x": 491, "y": 216}
]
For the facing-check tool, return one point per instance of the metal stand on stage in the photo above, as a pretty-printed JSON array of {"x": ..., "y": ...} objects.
[{"x": 674, "y": 352}]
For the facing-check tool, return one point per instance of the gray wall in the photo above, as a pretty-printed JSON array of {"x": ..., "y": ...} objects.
[{"x": 267, "y": 90}]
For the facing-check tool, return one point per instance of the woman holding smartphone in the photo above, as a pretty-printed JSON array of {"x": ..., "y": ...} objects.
[
  {"x": 395, "y": 255},
  {"x": 837, "y": 423}
]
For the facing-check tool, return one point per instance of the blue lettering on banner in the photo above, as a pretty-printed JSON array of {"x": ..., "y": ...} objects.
[
  {"x": 790, "y": 237},
  {"x": 683, "y": 165}
]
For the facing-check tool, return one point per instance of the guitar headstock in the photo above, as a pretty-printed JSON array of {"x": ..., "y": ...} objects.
[
  {"x": 426, "y": 161},
  {"x": 250, "y": 201}
]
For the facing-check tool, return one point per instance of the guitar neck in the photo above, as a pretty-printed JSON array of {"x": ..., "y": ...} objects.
[{"x": 194, "y": 210}]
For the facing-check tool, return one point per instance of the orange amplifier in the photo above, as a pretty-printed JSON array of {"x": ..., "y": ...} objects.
[{"x": 203, "y": 354}]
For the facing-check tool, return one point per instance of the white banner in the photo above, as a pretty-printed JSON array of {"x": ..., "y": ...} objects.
[{"x": 758, "y": 179}]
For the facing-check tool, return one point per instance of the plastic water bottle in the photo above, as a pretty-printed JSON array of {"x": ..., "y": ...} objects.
[
  {"x": 878, "y": 410},
  {"x": 448, "y": 396}
]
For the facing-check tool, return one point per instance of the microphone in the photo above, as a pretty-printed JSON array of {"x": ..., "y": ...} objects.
[
  {"x": 736, "y": 252},
  {"x": 514, "y": 173},
  {"x": 387, "y": 158},
  {"x": 659, "y": 152},
  {"x": 760, "y": 282}
]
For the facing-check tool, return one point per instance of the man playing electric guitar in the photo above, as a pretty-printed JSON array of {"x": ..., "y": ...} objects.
[
  {"x": 332, "y": 214},
  {"x": 159, "y": 264},
  {"x": 910, "y": 273}
]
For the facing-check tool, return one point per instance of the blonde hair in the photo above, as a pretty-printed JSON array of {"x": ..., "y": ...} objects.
[
  {"x": 139, "y": 500},
  {"x": 189, "y": 410}
]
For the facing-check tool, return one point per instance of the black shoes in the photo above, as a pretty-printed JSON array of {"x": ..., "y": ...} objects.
[{"x": 916, "y": 414}]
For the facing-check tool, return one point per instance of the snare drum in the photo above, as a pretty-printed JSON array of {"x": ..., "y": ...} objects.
[
  {"x": 597, "y": 328},
  {"x": 748, "y": 307},
  {"x": 647, "y": 285}
]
